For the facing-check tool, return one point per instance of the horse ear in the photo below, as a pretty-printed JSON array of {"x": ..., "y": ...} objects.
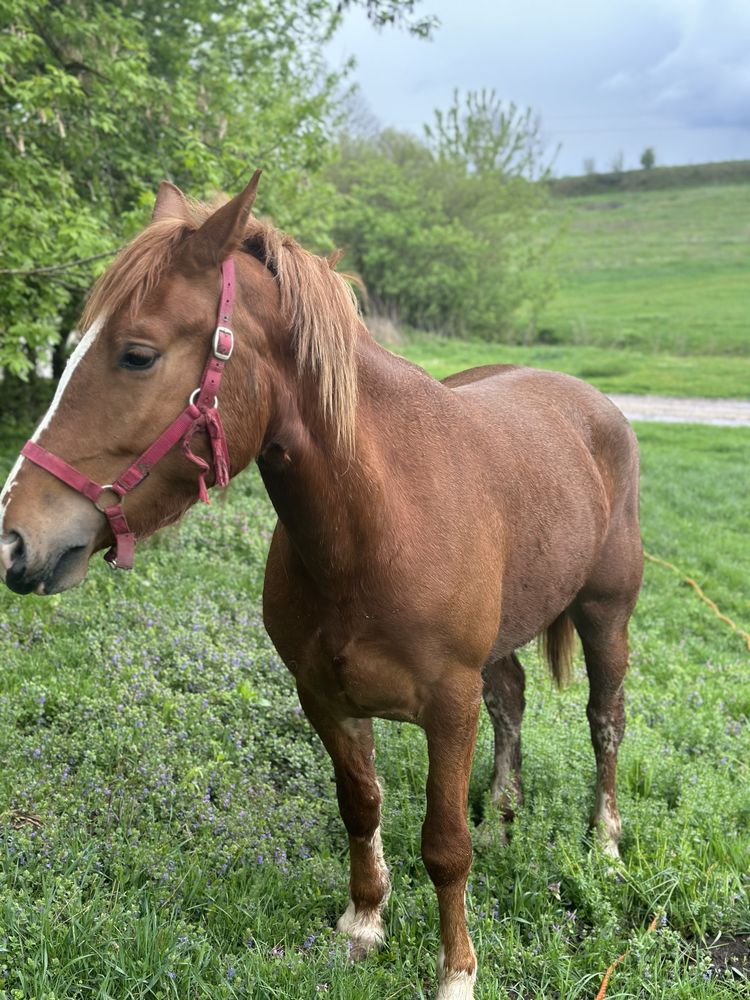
[
  {"x": 170, "y": 203},
  {"x": 223, "y": 231}
]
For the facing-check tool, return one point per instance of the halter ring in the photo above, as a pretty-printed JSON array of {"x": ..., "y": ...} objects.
[
  {"x": 108, "y": 488},
  {"x": 194, "y": 393}
]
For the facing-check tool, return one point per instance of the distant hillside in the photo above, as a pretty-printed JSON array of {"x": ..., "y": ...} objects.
[
  {"x": 655, "y": 179},
  {"x": 664, "y": 270}
]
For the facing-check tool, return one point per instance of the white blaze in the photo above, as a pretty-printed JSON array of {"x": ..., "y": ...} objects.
[{"x": 75, "y": 359}]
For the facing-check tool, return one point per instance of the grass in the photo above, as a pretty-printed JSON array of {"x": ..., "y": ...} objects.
[
  {"x": 168, "y": 827},
  {"x": 611, "y": 370},
  {"x": 656, "y": 271}
]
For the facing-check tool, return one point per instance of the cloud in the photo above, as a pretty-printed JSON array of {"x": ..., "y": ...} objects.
[
  {"x": 605, "y": 77},
  {"x": 704, "y": 80}
]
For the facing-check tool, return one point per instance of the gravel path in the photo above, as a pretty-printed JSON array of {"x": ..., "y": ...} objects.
[{"x": 683, "y": 410}]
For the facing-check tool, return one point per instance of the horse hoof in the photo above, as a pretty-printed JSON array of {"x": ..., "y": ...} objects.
[
  {"x": 359, "y": 950},
  {"x": 611, "y": 850}
]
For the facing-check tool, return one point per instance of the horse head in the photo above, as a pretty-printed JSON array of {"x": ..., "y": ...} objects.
[{"x": 148, "y": 330}]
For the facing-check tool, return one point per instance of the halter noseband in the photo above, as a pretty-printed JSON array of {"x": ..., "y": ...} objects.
[{"x": 200, "y": 413}]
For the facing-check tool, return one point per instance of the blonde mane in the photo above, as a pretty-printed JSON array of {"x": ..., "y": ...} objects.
[{"x": 318, "y": 303}]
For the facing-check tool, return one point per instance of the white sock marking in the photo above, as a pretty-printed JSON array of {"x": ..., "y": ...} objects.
[
  {"x": 454, "y": 985},
  {"x": 607, "y": 824},
  {"x": 366, "y": 927}
]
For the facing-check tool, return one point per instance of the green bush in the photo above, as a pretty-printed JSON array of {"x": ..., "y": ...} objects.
[{"x": 453, "y": 233}]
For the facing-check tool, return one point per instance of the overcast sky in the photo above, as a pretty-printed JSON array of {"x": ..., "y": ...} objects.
[{"x": 606, "y": 76}]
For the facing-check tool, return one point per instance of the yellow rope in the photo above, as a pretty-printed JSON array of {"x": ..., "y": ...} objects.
[
  {"x": 704, "y": 597},
  {"x": 607, "y": 975}
]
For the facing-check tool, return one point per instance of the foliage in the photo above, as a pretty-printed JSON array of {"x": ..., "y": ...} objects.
[
  {"x": 100, "y": 101},
  {"x": 410, "y": 256},
  {"x": 386, "y": 13},
  {"x": 168, "y": 825},
  {"x": 451, "y": 233},
  {"x": 618, "y": 163},
  {"x": 486, "y": 137},
  {"x": 648, "y": 158}
]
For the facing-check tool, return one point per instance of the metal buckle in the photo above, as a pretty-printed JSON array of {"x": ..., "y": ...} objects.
[{"x": 217, "y": 353}]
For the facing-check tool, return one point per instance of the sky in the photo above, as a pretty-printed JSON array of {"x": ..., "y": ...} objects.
[{"x": 607, "y": 77}]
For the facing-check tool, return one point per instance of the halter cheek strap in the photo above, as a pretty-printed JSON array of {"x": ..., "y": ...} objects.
[{"x": 201, "y": 413}]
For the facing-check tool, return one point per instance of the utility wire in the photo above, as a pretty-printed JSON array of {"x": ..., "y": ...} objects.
[{"x": 49, "y": 268}]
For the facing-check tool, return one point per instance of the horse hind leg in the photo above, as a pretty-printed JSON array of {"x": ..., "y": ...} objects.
[
  {"x": 600, "y": 612},
  {"x": 602, "y": 623},
  {"x": 503, "y": 693}
]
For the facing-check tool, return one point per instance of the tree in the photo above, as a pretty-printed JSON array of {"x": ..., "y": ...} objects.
[
  {"x": 618, "y": 162},
  {"x": 486, "y": 135},
  {"x": 648, "y": 158},
  {"x": 414, "y": 262},
  {"x": 450, "y": 233},
  {"x": 399, "y": 13},
  {"x": 100, "y": 101}
]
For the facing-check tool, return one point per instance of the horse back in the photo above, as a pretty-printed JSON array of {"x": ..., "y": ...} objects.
[
  {"x": 470, "y": 375},
  {"x": 524, "y": 400}
]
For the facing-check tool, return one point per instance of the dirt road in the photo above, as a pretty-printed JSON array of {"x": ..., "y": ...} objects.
[{"x": 683, "y": 410}]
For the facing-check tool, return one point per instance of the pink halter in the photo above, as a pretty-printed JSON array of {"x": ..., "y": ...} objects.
[{"x": 200, "y": 413}]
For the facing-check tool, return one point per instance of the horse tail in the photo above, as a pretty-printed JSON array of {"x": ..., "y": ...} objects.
[{"x": 558, "y": 643}]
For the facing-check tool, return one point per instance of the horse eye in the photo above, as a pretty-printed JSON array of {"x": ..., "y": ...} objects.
[{"x": 138, "y": 358}]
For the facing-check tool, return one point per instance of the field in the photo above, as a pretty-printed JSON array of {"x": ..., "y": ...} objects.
[
  {"x": 654, "y": 295},
  {"x": 655, "y": 271},
  {"x": 168, "y": 820},
  {"x": 608, "y": 369}
]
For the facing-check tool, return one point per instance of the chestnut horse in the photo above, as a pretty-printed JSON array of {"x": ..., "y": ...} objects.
[{"x": 426, "y": 530}]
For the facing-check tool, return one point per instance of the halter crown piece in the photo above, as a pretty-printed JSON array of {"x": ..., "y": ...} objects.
[{"x": 201, "y": 413}]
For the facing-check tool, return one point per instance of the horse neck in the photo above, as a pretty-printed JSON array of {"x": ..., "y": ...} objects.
[{"x": 332, "y": 505}]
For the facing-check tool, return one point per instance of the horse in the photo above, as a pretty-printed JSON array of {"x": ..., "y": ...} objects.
[{"x": 426, "y": 530}]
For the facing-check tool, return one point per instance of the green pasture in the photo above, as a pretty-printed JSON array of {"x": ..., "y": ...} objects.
[
  {"x": 609, "y": 369},
  {"x": 656, "y": 271},
  {"x": 654, "y": 297},
  {"x": 168, "y": 827}
]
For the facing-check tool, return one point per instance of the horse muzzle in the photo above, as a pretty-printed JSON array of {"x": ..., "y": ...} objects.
[{"x": 28, "y": 572}]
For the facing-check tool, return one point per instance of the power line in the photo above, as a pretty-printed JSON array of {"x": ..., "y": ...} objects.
[{"x": 49, "y": 268}]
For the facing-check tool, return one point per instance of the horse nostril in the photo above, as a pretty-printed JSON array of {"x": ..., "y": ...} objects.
[{"x": 12, "y": 551}]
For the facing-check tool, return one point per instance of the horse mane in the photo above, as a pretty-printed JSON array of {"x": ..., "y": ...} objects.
[{"x": 318, "y": 304}]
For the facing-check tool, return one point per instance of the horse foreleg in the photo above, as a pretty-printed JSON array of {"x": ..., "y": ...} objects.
[
  {"x": 451, "y": 725},
  {"x": 351, "y": 747}
]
